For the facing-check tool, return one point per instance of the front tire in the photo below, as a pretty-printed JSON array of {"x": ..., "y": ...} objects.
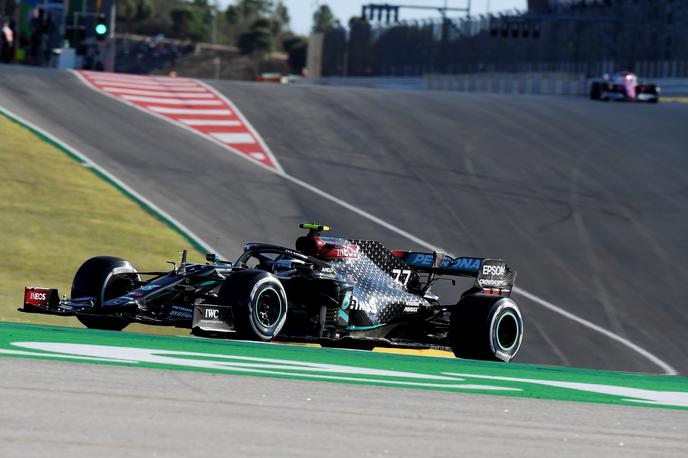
[
  {"x": 259, "y": 304},
  {"x": 595, "y": 92},
  {"x": 104, "y": 278},
  {"x": 486, "y": 327},
  {"x": 652, "y": 89}
]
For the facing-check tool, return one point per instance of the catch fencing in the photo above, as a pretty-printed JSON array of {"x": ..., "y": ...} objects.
[{"x": 649, "y": 37}]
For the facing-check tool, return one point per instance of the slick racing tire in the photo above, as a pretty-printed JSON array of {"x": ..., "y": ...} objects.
[
  {"x": 486, "y": 327},
  {"x": 652, "y": 89},
  {"x": 595, "y": 92},
  {"x": 258, "y": 301},
  {"x": 104, "y": 278}
]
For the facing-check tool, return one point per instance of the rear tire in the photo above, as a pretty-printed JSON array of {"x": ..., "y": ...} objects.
[
  {"x": 95, "y": 278},
  {"x": 259, "y": 304},
  {"x": 486, "y": 327}
]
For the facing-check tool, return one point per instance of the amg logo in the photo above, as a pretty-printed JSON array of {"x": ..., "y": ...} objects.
[
  {"x": 494, "y": 270},
  {"x": 213, "y": 314},
  {"x": 363, "y": 306}
]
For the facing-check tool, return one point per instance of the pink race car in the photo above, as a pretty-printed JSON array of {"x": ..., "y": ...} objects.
[{"x": 623, "y": 86}]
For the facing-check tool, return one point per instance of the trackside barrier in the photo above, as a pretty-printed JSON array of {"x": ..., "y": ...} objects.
[
  {"x": 546, "y": 83},
  {"x": 552, "y": 83},
  {"x": 410, "y": 83}
]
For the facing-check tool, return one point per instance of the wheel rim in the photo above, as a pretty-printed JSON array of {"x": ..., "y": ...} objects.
[
  {"x": 507, "y": 331},
  {"x": 268, "y": 308}
]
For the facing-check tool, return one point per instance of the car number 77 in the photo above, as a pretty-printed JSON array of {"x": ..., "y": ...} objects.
[{"x": 401, "y": 276}]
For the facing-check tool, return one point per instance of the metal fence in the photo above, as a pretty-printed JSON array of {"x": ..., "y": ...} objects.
[
  {"x": 647, "y": 36},
  {"x": 545, "y": 83}
]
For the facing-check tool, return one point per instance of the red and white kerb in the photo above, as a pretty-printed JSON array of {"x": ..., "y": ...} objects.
[{"x": 190, "y": 104}]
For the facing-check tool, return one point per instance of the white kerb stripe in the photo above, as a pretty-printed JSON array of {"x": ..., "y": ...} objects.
[
  {"x": 258, "y": 156},
  {"x": 138, "y": 79},
  {"x": 149, "y": 87},
  {"x": 179, "y": 95},
  {"x": 143, "y": 85},
  {"x": 233, "y": 138},
  {"x": 189, "y": 111},
  {"x": 166, "y": 101},
  {"x": 209, "y": 122}
]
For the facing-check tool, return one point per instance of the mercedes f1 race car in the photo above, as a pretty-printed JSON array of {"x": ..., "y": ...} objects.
[
  {"x": 333, "y": 291},
  {"x": 623, "y": 86}
]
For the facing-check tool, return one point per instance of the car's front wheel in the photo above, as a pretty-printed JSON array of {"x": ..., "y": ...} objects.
[
  {"x": 258, "y": 301},
  {"x": 103, "y": 278},
  {"x": 595, "y": 91}
]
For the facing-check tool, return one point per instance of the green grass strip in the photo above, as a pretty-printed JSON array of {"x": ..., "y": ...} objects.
[{"x": 56, "y": 211}]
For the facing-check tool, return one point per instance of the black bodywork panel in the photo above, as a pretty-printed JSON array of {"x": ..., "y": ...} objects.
[{"x": 336, "y": 288}]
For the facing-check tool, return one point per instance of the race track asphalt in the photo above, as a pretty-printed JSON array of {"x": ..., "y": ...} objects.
[
  {"x": 82, "y": 410},
  {"x": 588, "y": 201}
]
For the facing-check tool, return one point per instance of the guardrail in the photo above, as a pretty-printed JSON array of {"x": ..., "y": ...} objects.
[
  {"x": 547, "y": 83},
  {"x": 535, "y": 83},
  {"x": 381, "y": 82},
  {"x": 673, "y": 87},
  {"x": 558, "y": 83}
]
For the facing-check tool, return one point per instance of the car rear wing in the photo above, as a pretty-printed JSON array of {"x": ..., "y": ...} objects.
[{"x": 492, "y": 276}]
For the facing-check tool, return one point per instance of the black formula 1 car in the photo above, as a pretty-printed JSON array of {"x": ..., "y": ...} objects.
[
  {"x": 333, "y": 291},
  {"x": 624, "y": 86}
]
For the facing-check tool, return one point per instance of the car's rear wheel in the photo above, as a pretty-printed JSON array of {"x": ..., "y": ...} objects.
[
  {"x": 259, "y": 304},
  {"x": 104, "y": 278},
  {"x": 486, "y": 327}
]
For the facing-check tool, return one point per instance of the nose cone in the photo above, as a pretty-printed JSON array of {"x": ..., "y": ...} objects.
[{"x": 630, "y": 87}]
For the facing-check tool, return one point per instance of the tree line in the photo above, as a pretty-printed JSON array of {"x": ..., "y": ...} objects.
[{"x": 255, "y": 27}]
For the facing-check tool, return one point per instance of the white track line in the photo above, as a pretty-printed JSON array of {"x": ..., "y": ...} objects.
[
  {"x": 538, "y": 300},
  {"x": 665, "y": 367},
  {"x": 89, "y": 163},
  {"x": 668, "y": 369}
]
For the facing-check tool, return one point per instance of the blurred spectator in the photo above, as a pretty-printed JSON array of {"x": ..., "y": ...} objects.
[
  {"x": 146, "y": 55},
  {"x": 7, "y": 41}
]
